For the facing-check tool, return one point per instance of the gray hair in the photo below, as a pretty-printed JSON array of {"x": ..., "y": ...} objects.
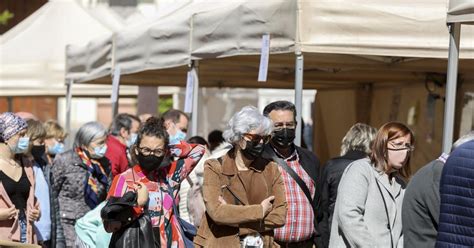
[
  {"x": 464, "y": 139},
  {"x": 89, "y": 132},
  {"x": 246, "y": 120},
  {"x": 358, "y": 138}
]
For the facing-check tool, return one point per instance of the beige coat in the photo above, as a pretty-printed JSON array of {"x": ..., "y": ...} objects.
[
  {"x": 224, "y": 224},
  {"x": 10, "y": 229}
]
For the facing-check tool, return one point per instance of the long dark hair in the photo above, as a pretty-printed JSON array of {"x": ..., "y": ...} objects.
[{"x": 379, "y": 156}]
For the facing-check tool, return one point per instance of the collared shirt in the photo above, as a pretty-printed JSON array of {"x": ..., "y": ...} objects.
[{"x": 299, "y": 218}]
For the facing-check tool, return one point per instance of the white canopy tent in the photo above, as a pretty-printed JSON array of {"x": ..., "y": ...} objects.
[
  {"x": 344, "y": 42},
  {"x": 32, "y": 54},
  {"x": 459, "y": 12}
]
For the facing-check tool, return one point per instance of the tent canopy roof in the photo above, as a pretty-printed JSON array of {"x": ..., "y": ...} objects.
[
  {"x": 461, "y": 11},
  {"x": 344, "y": 42}
]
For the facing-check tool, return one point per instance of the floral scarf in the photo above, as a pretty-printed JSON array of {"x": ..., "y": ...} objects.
[{"x": 95, "y": 173}]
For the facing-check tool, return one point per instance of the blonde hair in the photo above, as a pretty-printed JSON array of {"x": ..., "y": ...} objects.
[
  {"x": 358, "y": 138},
  {"x": 36, "y": 130},
  {"x": 54, "y": 130}
]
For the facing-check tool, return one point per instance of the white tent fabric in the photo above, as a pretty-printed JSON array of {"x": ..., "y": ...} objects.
[
  {"x": 32, "y": 54},
  {"x": 401, "y": 28},
  {"x": 90, "y": 61},
  {"x": 461, "y": 11},
  {"x": 323, "y": 30},
  {"x": 94, "y": 60},
  {"x": 237, "y": 27}
]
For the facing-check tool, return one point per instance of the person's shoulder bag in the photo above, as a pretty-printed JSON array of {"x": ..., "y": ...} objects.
[{"x": 128, "y": 232}]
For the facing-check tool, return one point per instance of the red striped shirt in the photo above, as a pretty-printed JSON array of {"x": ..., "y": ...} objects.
[{"x": 299, "y": 218}]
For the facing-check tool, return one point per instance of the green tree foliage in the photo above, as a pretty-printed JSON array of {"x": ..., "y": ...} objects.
[
  {"x": 5, "y": 16},
  {"x": 164, "y": 104}
]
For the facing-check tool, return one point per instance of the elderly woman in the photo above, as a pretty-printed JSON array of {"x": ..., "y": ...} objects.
[
  {"x": 18, "y": 207},
  {"x": 368, "y": 211},
  {"x": 355, "y": 145},
  {"x": 244, "y": 194},
  {"x": 80, "y": 176}
]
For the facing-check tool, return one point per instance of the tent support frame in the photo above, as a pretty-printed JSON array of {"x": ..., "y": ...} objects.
[
  {"x": 299, "y": 95},
  {"x": 194, "y": 116},
  {"x": 451, "y": 86},
  {"x": 69, "y": 84}
]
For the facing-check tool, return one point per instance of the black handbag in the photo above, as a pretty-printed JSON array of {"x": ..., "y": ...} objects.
[{"x": 128, "y": 231}]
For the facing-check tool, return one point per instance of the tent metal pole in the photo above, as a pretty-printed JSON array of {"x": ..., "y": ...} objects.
[
  {"x": 451, "y": 85},
  {"x": 195, "y": 114},
  {"x": 115, "y": 91},
  {"x": 299, "y": 95},
  {"x": 68, "y": 104}
]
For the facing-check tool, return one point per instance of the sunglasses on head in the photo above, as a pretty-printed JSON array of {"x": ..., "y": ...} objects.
[{"x": 257, "y": 138}]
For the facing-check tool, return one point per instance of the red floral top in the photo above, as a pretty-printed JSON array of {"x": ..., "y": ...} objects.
[{"x": 160, "y": 202}]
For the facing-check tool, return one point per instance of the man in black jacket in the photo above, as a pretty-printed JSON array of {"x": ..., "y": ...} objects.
[
  {"x": 299, "y": 230},
  {"x": 355, "y": 145}
]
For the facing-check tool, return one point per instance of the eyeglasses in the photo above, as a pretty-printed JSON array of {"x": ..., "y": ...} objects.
[
  {"x": 256, "y": 138},
  {"x": 147, "y": 151},
  {"x": 281, "y": 125},
  {"x": 400, "y": 146}
]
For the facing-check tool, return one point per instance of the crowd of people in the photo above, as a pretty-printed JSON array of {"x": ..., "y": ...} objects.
[{"x": 142, "y": 182}]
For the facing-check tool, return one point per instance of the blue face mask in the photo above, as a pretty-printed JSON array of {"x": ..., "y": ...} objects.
[
  {"x": 22, "y": 145},
  {"x": 131, "y": 141},
  {"x": 56, "y": 149},
  {"x": 99, "y": 151},
  {"x": 176, "y": 139}
]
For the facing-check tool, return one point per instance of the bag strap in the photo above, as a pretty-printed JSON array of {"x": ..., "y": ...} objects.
[
  {"x": 386, "y": 212},
  {"x": 297, "y": 179},
  {"x": 302, "y": 185}
]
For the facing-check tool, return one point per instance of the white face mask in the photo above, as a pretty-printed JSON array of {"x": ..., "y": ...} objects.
[{"x": 397, "y": 158}]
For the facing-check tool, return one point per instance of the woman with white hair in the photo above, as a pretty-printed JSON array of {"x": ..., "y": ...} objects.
[
  {"x": 244, "y": 194},
  {"x": 80, "y": 176}
]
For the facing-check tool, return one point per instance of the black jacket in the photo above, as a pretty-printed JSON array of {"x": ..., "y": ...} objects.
[
  {"x": 331, "y": 176},
  {"x": 310, "y": 164}
]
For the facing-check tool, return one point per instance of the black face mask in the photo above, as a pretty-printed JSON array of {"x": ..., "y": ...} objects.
[
  {"x": 284, "y": 138},
  {"x": 38, "y": 152},
  {"x": 150, "y": 162},
  {"x": 252, "y": 151}
]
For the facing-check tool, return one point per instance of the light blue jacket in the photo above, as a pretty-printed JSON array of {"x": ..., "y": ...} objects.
[{"x": 90, "y": 229}]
